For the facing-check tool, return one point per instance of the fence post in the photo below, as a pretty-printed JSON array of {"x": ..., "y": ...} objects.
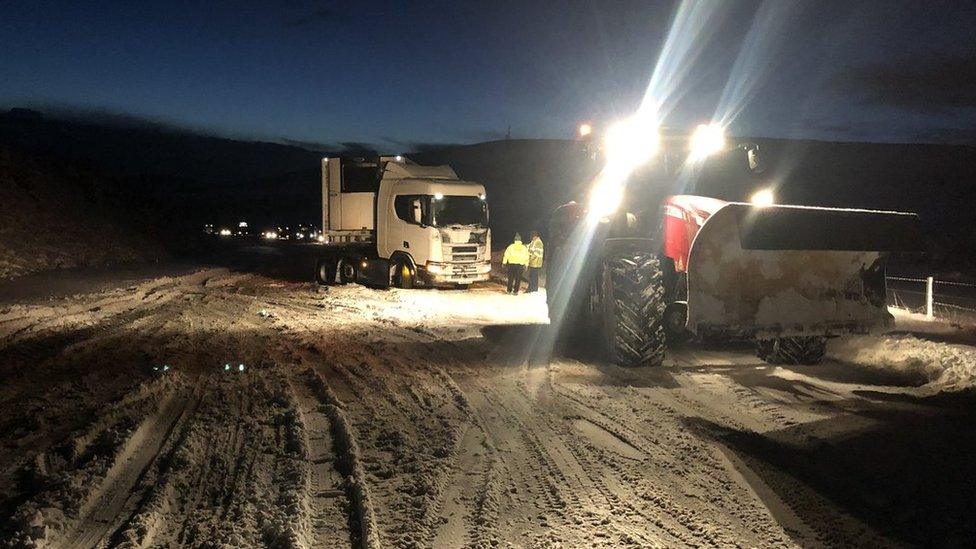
[{"x": 929, "y": 298}]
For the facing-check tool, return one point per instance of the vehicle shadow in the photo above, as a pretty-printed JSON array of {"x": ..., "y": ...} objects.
[
  {"x": 910, "y": 477},
  {"x": 534, "y": 344}
]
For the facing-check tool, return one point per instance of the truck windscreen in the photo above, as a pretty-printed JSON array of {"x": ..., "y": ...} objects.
[{"x": 458, "y": 210}]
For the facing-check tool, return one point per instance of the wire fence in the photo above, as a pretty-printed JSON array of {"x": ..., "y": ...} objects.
[{"x": 942, "y": 299}]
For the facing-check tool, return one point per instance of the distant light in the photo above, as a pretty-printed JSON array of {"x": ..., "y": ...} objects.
[
  {"x": 242, "y": 224},
  {"x": 325, "y": 160},
  {"x": 321, "y": 238},
  {"x": 585, "y": 130},
  {"x": 225, "y": 232},
  {"x": 398, "y": 158},
  {"x": 364, "y": 264},
  {"x": 300, "y": 235},
  {"x": 226, "y": 367},
  {"x": 707, "y": 140},
  {"x": 482, "y": 196},
  {"x": 763, "y": 198},
  {"x": 438, "y": 196},
  {"x": 240, "y": 367}
]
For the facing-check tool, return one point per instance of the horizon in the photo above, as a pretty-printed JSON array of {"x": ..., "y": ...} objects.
[{"x": 125, "y": 121}]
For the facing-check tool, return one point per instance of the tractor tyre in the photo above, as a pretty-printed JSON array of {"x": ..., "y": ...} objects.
[
  {"x": 792, "y": 350},
  {"x": 633, "y": 301}
]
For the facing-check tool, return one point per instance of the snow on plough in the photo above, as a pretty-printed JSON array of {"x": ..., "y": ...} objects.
[{"x": 639, "y": 267}]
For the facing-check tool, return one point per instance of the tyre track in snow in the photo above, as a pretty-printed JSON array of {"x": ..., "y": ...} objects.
[
  {"x": 331, "y": 521},
  {"x": 684, "y": 450},
  {"x": 116, "y": 498},
  {"x": 384, "y": 384},
  {"x": 77, "y": 389}
]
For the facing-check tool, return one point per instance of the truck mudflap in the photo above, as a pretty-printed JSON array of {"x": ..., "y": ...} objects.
[{"x": 793, "y": 270}]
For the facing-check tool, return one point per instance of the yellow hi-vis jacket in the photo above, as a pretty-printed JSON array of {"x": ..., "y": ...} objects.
[
  {"x": 516, "y": 254},
  {"x": 535, "y": 253}
]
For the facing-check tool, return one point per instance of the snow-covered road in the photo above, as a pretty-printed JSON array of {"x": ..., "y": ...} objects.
[{"x": 228, "y": 408}]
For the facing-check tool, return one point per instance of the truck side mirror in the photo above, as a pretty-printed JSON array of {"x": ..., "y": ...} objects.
[{"x": 418, "y": 215}]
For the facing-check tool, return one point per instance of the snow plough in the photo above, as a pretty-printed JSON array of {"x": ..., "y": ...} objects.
[{"x": 644, "y": 263}]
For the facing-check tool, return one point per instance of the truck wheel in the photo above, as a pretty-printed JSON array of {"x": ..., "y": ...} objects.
[
  {"x": 633, "y": 309},
  {"x": 325, "y": 272},
  {"x": 347, "y": 271},
  {"x": 403, "y": 276},
  {"x": 792, "y": 350}
]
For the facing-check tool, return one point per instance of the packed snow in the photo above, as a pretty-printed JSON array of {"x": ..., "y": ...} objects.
[{"x": 227, "y": 409}]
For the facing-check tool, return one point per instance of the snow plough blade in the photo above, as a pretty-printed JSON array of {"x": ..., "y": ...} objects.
[{"x": 760, "y": 271}]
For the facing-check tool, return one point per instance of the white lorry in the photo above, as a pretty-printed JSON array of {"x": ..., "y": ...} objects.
[{"x": 388, "y": 221}]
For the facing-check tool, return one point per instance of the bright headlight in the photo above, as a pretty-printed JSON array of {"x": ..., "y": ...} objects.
[
  {"x": 631, "y": 142},
  {"x": 435, "y": 268},
  {"x": 605, "y": 198},
  {"x": 707, "y": 140},
  {"x": 763, "y": 197}
]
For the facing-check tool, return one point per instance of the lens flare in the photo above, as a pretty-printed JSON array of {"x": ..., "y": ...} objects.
[
  {"x": 707, "y": 140},
  {"x": 763, "y": 198}
]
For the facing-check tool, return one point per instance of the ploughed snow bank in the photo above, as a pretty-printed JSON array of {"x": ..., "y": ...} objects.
[{"x": 917, "y": 346}]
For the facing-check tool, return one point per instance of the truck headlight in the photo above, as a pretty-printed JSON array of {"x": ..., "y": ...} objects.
[
  {"x": 436, "y": 268},
  {"x": 484, "y": 268}
]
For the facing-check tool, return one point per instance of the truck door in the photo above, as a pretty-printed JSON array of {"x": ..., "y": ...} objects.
[{"x": 408, "y": 231}]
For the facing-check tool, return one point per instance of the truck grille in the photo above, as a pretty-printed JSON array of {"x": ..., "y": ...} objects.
[{"x": 464, "y": 253}]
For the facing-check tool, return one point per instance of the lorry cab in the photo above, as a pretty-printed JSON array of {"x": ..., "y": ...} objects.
[
  {"x": 423, "y": 224},
  {"x": 437, "y": 220}
]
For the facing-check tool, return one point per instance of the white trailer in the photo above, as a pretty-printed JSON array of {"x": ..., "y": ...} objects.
[{"x": 388, "y": 221}]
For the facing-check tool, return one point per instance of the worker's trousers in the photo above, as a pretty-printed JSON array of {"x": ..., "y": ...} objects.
[
  {"x": 533, "y": 279},
  {"x": 514, "y": 278}
]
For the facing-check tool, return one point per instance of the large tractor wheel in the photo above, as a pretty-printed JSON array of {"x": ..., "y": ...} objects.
[
  {"x": 633, "y": 309},
  {"x": 792, "y": 350}
]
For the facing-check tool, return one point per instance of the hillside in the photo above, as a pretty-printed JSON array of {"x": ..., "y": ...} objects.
[
  {"x": 61, "y": 216},
  {"x": 193, "y": 179}
]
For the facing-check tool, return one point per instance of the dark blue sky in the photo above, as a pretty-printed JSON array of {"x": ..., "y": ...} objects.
[{"x": 401, "y": 74}]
